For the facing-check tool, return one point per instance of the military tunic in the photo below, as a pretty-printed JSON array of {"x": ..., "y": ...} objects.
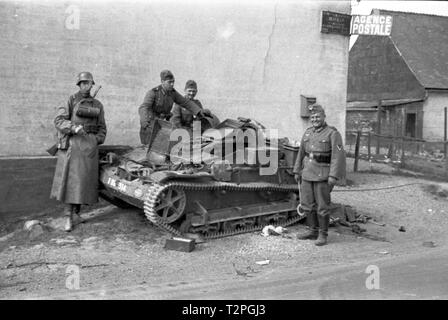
[
  {"x": 321, "y": 155},
  {"x": 158, "y": 104},
  {"x": 76, "y": 175},
  {"x": 182, "y": 117}
]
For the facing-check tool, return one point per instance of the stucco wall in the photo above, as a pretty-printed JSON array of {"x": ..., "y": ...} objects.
[
  {"x": 250, "y": 58},
  {"x": 433, "y": 117}
]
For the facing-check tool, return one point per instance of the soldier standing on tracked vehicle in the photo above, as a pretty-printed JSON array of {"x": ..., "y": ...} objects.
[
  {"x": 319, "y": 165},
  {"x": 158, "y": 103},
  {"x": 81, "y": 128},
  {"x": 181, "y": 117}
]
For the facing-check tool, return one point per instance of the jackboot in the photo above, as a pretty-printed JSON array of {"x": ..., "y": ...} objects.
[
  {"x": 324, "y": 221},
  {"x": 68, "y": 213},
  {"x": 76, "y": 218},
  {"x": 311, "y": 234}
]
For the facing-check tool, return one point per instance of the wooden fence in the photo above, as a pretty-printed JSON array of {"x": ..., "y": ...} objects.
[{"x": 429, "y": 157}]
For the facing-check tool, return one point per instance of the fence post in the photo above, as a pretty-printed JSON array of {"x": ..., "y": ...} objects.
[
  {"x": 391, "y": 148},
  {"x": 358, "y": 138},
  {"x": 444, "y": 133},
  {"x": 368, "y": 145},
  {"x": 402, "y": 152},
  {"x": 378, "y": 126}
]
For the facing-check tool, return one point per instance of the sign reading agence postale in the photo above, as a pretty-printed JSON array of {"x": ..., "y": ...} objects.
[{"x": 373, "y": 25}]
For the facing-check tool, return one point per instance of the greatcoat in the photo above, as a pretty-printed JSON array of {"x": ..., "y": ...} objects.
[{"x": 76, "y": 175}]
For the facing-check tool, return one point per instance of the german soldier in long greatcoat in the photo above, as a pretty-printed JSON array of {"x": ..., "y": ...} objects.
[
  {"x": 319, "y": 165},
  {"x": 81, "y": 128}
]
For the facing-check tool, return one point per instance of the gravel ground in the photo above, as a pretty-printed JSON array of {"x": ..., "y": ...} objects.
[{"x": 119, "y": 248}]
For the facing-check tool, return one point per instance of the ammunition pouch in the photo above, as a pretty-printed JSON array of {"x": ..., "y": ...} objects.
[
  {"x": 86, "y": 109},
  {"x": 320, "y": 158},
  {"x": 63, "y": 141}
]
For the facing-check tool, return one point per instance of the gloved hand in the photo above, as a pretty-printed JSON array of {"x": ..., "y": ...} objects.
[
  {"x": 298, "y": 178},
  {"x": 207, "y": 112},
  {"x": 200, "y": 114},
  {"x": 331, "y": 182},
  {"x": 79, "y": 130}
]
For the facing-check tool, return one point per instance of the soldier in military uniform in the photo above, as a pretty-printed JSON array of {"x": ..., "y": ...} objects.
[
  {"x": 81, "y": 128},
  {"x": 319, "y": 166},
  {"x": 182, "y": 117},
  {"x": 158, "y": 103}
]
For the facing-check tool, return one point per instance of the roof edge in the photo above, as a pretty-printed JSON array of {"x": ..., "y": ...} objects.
[
  {"x": 408, "y": 12},
  {"x": 406, "y": 63}
]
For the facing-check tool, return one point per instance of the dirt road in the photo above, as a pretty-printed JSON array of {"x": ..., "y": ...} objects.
[{"x": 118, "y": 254}]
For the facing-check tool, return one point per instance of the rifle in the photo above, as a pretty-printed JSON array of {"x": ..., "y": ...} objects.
[
  {"x": 96, "y": 91},
  {"x": 54, "y": 148}
]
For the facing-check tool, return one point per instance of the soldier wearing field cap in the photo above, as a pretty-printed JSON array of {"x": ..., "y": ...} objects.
[
  {"x": 319, "y": 166},
  {"x": 158, "y": 102},
  {"x": 184, "y": 118}
]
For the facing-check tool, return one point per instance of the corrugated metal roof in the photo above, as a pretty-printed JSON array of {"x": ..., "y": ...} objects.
[{"x": 422, "y": 40}]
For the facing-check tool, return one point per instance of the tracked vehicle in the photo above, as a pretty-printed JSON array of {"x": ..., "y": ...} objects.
[{"x": 225, "y": 180}]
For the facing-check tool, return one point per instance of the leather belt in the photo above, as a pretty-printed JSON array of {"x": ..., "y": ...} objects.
[
  {"x": 164, "y": 116},
  {"x": 321, "y": 158}
]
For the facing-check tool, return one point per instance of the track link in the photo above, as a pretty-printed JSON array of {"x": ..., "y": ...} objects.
[{"x": 157, "y": 189}]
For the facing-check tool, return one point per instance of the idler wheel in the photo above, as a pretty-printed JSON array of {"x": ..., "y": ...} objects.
[{"x": 170, "y": 204}]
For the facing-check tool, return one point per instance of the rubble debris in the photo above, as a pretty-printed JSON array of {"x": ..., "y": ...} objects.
[
  {"x": 435, "y": 190},
  {"x": 429, "y": 244},
  {"x": 68, "y": 240},
  {"x": 384, "y": 252},
  {"x": 377, "y": 223},
  {"x": 263, "y": 262},
  {"x": 402, "y": 229},
  {"x": 240, "y": 272},
  {"x": 36, "y": 231},
  {"x": 30, "y": 224},
  {"x": 346, "y": 214},
  {"x": 333, "y": 221},
  {"x": 271, "y": 230},
  {"x": 357, "y": 229},
  {"x": 180, "y": 244},
  {"x": 57, "y": 223}
]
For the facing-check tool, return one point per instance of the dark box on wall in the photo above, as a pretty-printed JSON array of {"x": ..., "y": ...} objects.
[{"x": 305, "y": 102}]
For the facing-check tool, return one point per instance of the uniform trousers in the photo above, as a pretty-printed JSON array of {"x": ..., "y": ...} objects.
[{"x": 315, "y": 195}]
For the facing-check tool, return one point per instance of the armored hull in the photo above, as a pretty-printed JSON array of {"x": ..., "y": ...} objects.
[{"x": 218, "y": 185}]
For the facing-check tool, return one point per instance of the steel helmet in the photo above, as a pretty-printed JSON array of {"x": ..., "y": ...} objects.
[{"x": 84, "y": 76}]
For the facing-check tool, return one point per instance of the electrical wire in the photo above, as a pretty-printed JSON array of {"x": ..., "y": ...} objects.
[{"x": 375, "y": 189}]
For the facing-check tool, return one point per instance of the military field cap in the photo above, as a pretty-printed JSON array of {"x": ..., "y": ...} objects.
[
  {"x": 316, "y": 108},
  {"x": 166, "y": 75},
  {"x": 84, "y": 76},
  {"x": 191, "y": 84}
]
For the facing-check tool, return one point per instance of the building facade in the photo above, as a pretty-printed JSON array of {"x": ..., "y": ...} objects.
[
  {"x": 251, "y": 59},
  {"x": 405, "y": 73}
]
